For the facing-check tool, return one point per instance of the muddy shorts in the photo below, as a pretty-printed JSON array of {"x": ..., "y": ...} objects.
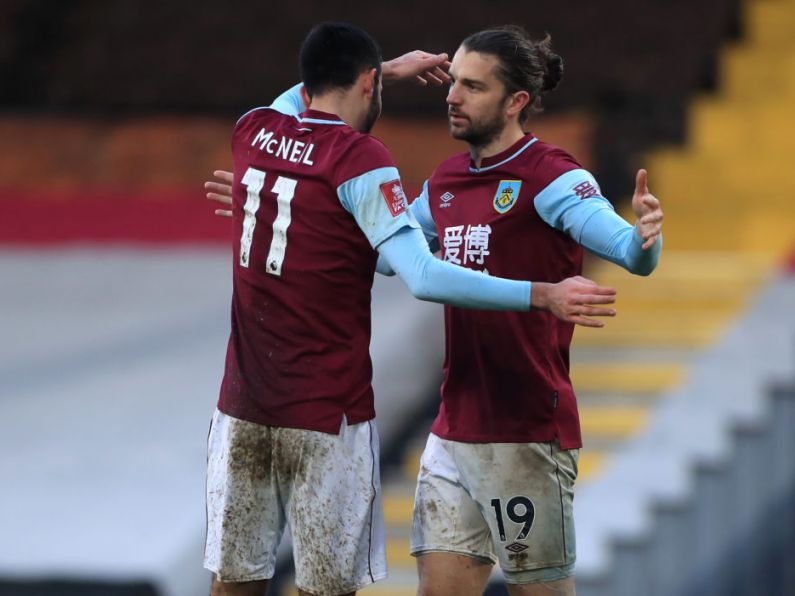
[
  {"x": 326, "y": 487},
  {"x": 500, "y": 502}
]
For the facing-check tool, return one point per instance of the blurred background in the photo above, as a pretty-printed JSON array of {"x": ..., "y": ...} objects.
[{"x": 115, "y": 277}]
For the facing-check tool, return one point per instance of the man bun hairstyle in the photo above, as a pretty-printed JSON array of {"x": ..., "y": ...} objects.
[
  {"x": 333, "y": 56},
  {"x": 524, "y": 64},
  {"x": 554, "y": 71}
]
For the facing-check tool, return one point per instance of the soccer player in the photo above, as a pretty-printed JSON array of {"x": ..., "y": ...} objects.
[
  {"x": 497, "y": 475},
  {"x": 316, "y": 201}
]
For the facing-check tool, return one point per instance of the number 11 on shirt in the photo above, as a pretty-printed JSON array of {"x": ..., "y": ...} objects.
[{"x": 284, "y": 189}]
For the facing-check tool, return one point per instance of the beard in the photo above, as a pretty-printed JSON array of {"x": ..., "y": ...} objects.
[
  {"x": 373, "y": 112},
  {"x": 479, "y": 132}
]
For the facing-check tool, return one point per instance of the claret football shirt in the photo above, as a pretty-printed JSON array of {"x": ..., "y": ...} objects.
[
  {"x": 506, "y": 374},
  {"x": 312, "y": 199}
]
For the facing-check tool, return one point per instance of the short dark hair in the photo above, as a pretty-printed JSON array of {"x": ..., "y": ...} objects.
[
  {"x": 524, "y": 64},
  {"x": 334, "y": 54}
]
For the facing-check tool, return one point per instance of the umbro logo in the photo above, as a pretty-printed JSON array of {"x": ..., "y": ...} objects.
[
  {"x": 446, "y": 198},
  {"x": 516, "y": 547}
]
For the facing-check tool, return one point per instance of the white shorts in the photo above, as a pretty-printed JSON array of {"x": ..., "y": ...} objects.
[
  {"x": 326, "y": 487},
  {"x": 506, "y": 502}
]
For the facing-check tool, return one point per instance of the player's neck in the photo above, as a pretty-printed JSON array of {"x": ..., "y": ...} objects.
[
  {"x": 509, "y": 136},
  {"x": 340, "y": 106}
]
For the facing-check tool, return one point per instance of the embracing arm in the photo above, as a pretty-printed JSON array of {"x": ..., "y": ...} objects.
[
  {"x": 421, "y": 212},
  {"x": 428, "y": 278},
  {"x": 404, "y": 248}
]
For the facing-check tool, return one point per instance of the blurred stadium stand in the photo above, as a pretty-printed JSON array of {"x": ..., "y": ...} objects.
[
  {"x": 699, "y": 503},
  {"x": 116, "y": 283},
  {"x": 633, "y": 65}
]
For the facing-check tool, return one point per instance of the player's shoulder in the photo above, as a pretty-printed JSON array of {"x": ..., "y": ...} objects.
[
  {"x": 259, "y": 116},
  {"x": 547, "y": 155},
  {"x": 359, "y": 153},
  {"x": 547, "y": 162},
  {"x": 364, "y": 146}
]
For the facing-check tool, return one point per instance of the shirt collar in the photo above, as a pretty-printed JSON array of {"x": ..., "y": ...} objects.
[
  {"x": 318, "y": 117},
  {"x": 489, "y": 163}
]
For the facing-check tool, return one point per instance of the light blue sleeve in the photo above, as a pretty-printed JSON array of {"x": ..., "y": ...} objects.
[
  {"x": 290, "y": 102},
  {"x": 573, "y": 204},
  {"x": 382, "y": 266},
  {"x": 364, "y": 198},
  {"x": 421, "y": 210},
  {"x": 431, "y": 279}
]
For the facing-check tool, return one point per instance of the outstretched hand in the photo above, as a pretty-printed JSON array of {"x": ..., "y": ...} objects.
[
  {"x": 221, "y": 192},
  {"x": 421, "y": 66},
  {"x": 573, "y": 299},
  {"x": 647, "y": 210}
]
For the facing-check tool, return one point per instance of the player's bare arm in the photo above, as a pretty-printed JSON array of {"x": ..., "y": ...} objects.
[
  {"x": 574, "y": 300},
  {"x": 421, "y": 66},
  {"x": 647, "y": 209}
]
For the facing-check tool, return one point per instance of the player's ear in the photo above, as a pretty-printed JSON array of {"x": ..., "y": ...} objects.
[
  {"x": 305, "y": 97},
  {"x": 517, "y": 102},
  {"x": 370, "y": 82}
]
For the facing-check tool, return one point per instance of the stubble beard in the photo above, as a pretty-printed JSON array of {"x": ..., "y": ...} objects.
[
  {"x": 481, "y": 132},
  {"x": 373, "y": 112}
]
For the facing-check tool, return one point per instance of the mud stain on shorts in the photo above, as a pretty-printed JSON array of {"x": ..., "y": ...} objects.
[{"x": 251, "y": 450}]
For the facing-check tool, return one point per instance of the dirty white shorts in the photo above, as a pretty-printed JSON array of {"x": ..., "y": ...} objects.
[
  {"x": 500, "y": 502},
  {"x": 326, "y": 487}
]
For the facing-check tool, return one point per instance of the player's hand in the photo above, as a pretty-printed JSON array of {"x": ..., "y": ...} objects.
[
  {"x": 574, "y": 300},
  {"x": 221, "y": 192},
  {"x": 421, "y": 66},
  {"x": 647, "y": 210}
]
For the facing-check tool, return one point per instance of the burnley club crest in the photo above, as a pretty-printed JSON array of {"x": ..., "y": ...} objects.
[{"x": 506, "y": 195}]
